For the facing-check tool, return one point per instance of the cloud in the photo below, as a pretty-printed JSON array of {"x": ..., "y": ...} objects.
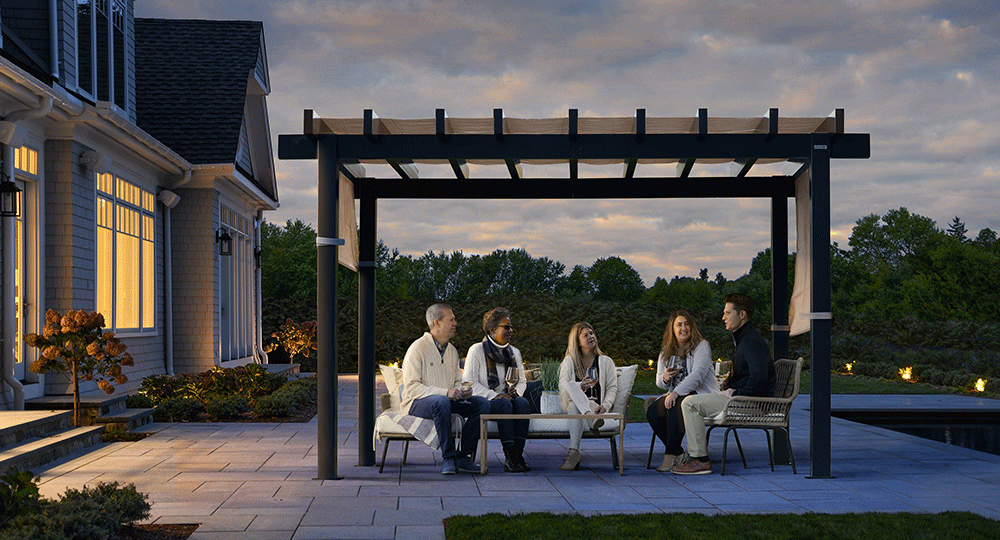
[{"x": 919, "y": 75}]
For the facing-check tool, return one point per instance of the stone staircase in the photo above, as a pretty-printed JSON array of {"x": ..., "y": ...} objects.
[{"x": 44, "y": 431}]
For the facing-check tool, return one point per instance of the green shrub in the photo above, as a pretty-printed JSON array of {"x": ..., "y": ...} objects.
[
  {"x": 301, "y": 390},
  {"x": 159, "y": 388},
  {"x": 138, "y": 401},
  {"x": 276, "y": 405},
  {"x": 18, "y": 494},
  {"x": 96, "y": 513},
  {"x": 227, "y": 408},
  {"x": 178, "y": 409}
]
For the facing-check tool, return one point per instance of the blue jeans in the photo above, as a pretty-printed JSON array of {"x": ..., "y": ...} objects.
[
  {"x": 511, "y": 429},
  {"x": 439, "y": 409}
]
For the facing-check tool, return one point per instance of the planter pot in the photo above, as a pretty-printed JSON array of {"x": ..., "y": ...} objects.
[{"x": 551, "y": 404}]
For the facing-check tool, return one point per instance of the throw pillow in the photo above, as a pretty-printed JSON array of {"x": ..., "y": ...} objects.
[{"x": 626, "y": 378}]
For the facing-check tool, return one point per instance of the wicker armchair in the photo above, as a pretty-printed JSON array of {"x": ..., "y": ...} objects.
[{"x": 764, "y": 413}]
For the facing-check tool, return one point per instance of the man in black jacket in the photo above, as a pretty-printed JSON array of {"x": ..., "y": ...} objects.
[{"x": 752, "y": 375}]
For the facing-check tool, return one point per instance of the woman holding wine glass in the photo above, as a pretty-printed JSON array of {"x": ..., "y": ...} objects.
[
  {"x": 588, "y": 384},
  {"x": 683, "y": 368},
  {"x": 496, "y": 371}
]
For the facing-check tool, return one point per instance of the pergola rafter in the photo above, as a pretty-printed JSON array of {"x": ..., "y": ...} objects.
[{"x": 344, "y": 146}]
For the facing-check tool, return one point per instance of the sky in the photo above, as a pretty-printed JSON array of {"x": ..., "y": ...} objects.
[{"x": 921, "y": 76}]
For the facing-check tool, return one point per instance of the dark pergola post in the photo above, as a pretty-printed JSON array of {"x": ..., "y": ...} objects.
[
  {"x": 326, "y": 307},
  {"x": 779, "y": 302},
  {"x": 819, "y": 399},
  {"x": 366, "y": 329}
]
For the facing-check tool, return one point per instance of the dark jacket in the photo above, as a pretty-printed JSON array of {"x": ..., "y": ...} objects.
[{"x": 753, "y": 368}]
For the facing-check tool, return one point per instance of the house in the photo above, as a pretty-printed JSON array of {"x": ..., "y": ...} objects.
[{"x": 143, "y": 154}]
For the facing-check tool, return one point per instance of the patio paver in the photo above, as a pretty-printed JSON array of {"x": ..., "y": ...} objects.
[{"x": 257, "y": 481}]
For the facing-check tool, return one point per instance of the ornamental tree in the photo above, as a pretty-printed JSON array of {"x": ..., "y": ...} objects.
[{"x": 75, "y": 343}]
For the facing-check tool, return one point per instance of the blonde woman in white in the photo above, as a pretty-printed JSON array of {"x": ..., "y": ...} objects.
[{"x": 587, "y": 384}]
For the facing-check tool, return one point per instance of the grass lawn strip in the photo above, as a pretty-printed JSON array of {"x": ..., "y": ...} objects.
[{"x": 869, "y": 526}]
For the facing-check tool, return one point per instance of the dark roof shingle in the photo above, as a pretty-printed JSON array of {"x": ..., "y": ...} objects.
[{"x": 191, "y": 83}]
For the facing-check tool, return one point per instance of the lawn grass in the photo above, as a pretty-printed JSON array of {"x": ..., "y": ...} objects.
[{"x": 868, "y": 526}]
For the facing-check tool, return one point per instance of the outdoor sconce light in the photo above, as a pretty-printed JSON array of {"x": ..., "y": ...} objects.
[
  {"x": 10, "y": 198},
  {"x": 225, "y": 242}
]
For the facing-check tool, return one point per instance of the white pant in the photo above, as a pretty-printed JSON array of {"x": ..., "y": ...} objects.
[
  {"x": 696, "y": 408},
  {"x": 576, "y": 425}
]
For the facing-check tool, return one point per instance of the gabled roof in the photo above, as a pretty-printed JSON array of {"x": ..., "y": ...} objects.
[{"x": 192, "y": 87}]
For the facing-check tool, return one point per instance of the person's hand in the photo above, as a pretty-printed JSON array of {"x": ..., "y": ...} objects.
[
  {"x": 600, "y": 410},
  {"x": 504, "y": 396},
  {"x": 587, "y": 384},
  {"x": 512, "y": 392},
  {"x": 669, "y": 401},
  {"x": 727, "y": 393},
  {"x": 454, "y": 394},
  {"x": 466, "y": 392},
  {"x": 670, "y": 373}
]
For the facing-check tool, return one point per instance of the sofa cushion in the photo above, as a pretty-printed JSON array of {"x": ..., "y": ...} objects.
[
  {"x": 626, "y": 378},
  {"x": 393, "y": 384}
]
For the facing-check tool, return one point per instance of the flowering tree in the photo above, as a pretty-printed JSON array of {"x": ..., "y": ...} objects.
[
  {"x": 295, "y": 338},
  {"x": 74, "y": 342}
]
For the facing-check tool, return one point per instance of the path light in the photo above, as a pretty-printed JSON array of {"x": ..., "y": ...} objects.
[
  {"x": 651, "y": 364},
  {"x": 981, "y": 385},
  {"x": 906, "y": 373},
  {"x": 849, "y": 365}
]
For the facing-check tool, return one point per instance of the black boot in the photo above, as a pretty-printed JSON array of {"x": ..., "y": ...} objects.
[
  {"x": 510, "y": 463},
  {"x": 519, "y": 454}
]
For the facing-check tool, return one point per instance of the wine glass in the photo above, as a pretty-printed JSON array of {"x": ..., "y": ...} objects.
[
  {"x": 512, "y": 378},
  {"x": 592, "y": 375}
]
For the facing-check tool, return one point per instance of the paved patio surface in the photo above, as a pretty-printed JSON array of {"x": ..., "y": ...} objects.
[{"x": 256, "y": 481}]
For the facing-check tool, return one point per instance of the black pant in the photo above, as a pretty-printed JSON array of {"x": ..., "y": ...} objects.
[{"x": 667, "y": 424}]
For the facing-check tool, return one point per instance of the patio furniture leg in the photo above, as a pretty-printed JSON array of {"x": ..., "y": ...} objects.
[
  {"x": 385, "y": 449},
  {"x": 725, "y": 449},
  {"x": 649, "y": 458},
  {"x": 770, "y": 455},
  {"x": 614, "y": 454},
  {"x": 739, "y": 446}
]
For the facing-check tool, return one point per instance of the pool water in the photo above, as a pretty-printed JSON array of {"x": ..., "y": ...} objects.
[{"x": 982, "y": 437}]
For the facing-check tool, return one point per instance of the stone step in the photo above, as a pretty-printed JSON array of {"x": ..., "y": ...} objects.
[
  {"x": 91, "y": 406},
  {"x": 19, "y": 426},
  {"x": 126, "y": 420},
  {"x": 36, "y": 452}
]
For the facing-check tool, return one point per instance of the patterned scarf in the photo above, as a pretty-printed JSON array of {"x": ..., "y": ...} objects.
[{"x": 496, "y": 355}]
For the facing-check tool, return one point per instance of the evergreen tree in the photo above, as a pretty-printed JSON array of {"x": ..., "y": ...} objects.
[{"x": 957, "y": 229}]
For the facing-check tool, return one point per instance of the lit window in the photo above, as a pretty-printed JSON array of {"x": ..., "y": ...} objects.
[
  {"x": 125, "y": 286},
  {"x": 26, "y": 160}
]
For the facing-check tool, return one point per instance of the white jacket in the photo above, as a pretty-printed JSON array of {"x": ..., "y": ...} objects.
[
  {"x": 569, "y": 387},
  {"x": 477, "y": 373}
]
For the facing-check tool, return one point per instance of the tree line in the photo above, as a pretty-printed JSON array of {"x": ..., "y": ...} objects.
[
  {"x": 905, "y": 291},
  {"x": 900, "y": 265}
]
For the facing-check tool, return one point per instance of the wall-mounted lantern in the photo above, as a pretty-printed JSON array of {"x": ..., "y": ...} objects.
[
  {"x": 10, "y": 198},
  {"x": 225, "y": 242}
]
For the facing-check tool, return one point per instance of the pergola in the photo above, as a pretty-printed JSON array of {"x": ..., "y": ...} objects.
[{"x": 342, "y": 146}]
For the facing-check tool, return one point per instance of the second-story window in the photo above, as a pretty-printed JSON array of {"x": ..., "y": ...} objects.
[{"x": 100, "y": 31}]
